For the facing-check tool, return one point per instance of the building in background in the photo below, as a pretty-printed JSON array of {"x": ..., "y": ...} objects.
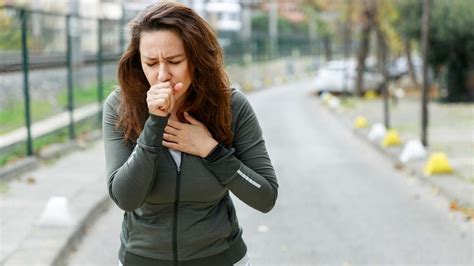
[
  {"x": 289, "y": 9},
  {"x": 224, "y": 15}
]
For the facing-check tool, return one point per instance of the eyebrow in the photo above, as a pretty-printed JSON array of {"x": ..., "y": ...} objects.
[{"x": 167, "y": 58}]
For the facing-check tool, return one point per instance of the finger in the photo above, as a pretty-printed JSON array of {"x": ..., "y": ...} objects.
[
  {"x": 175, "y": 124},
  {"x": 171, "y": 130},
  {"x": 191, "y": 120},
  {"x": 170, "y": 138},
  {"x": 159, "y": 91},
  {"x": 177, "y": 87},
  {"x": 157, "y": 104},
  {"x": 161, "y": 85},
  {"x": 172, "y": 101},
  {"x": 165, "y": 97},
  {"x": 171, "y": 145}
]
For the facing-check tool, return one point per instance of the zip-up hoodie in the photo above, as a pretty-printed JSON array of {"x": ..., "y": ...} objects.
[{"x": 184, "y": 215}]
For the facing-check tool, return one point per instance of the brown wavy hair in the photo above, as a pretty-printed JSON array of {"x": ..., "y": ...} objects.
[{"x": 208, "y": 98}]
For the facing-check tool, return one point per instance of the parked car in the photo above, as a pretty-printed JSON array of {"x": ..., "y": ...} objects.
[
  {"x": 339, "y": 76},
  {"x": 399, "y": 67}
]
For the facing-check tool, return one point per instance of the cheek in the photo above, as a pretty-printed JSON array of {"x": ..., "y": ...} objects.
[
  {"x": 187, "y": 75},
  {"x": 149, "y": 74}
]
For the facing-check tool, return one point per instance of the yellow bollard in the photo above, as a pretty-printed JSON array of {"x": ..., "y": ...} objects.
[
  {"x": 247, "y": 86},
  {"x": 360, "y": 122},
  {"x": 437, "y": 164},
  {"x": 391, "y": 138},
  {"x": 370, "y": 95}
]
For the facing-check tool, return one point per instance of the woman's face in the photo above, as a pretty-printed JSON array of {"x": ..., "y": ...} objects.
[{"x": 163, "y": 59}]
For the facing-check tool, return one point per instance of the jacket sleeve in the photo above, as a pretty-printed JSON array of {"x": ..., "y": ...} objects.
[
  {"x": 246, "y": 168},
  {"x": 130, "y": 171}
]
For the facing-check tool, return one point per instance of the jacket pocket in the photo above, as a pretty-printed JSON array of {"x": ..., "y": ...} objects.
[
  {"x": 150, "y": 233},
  {"x": 203, "y": 229}
]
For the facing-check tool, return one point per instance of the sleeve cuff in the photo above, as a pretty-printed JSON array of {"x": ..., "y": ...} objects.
[
  {"x": 152, "y": 134},
  {"x": 217, "y": 152}
]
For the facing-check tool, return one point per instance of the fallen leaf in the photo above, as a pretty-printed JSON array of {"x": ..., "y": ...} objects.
[
  {"x": 30, "y": 180},
  {"x": 399, "y": 166},
  {"x": 453, "y": 206}
]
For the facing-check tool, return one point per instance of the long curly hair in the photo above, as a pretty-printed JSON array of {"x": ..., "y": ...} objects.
[{"x": 208, "y": 98}]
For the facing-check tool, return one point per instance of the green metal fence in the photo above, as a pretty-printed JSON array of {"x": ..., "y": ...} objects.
[{"x": 66, "y": 61}]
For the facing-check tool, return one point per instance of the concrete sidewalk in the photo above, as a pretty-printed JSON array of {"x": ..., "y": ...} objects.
[{"x": 81, "y": 178}]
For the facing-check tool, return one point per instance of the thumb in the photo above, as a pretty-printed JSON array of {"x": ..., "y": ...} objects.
[
  {"x": 177, "y": 87},
  {"x": 191, "y": 119}
]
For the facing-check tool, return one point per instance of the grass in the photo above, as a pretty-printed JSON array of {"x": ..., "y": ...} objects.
[
  {"x": 13, "y": 116},
  {"x": 18, "y": 151},
  {"x": 349, "y": 102}
]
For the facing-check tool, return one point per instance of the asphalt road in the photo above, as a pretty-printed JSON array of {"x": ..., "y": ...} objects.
[{"x": 340, "y": 202}]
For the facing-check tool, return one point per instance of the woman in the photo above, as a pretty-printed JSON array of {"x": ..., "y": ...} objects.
[{"x": 177, "y": 140}]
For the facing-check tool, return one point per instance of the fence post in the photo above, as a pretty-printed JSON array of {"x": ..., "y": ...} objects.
[
  {"x": 70, "y": 93},
  {"x": 122, "y": 31},
  {"x": 26, "y": 89},
  {"x": 100, "y": 81}
]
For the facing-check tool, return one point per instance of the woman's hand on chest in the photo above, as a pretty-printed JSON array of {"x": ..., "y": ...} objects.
[{"x": 192, "y": 138}]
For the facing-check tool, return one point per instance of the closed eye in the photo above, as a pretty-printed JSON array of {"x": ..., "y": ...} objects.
[
  {"x": 175, "y": 62},
  {"x": 150, "y": 64}
]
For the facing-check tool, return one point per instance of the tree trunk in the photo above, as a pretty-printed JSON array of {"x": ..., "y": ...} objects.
[
  {"x": 411, "y": 67},
  {"x": 382, "y": 53},
  {"x": 327, "y": 48},
  {"x": 364, "y": 46},
  {"x": 425, "y": 46}
]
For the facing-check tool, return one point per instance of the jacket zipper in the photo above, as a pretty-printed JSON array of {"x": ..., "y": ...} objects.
[{"x": 175, "y": 208}]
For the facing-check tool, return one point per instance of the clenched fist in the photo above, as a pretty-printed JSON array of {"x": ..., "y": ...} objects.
[{"x": 161, "y": 98}]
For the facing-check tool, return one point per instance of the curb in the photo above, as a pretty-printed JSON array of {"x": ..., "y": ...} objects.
[
  {"x": 54, "y": 151},
  {"x": 19, "y": 167},
  {"x": 52, "y": 245},
  {"x": 76, "y": 237},
  {"x": 392, "y": 155}
]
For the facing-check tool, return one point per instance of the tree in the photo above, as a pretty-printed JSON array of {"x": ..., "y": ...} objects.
[
  {"x": 452, "y": 45},
  {"x": 10, "y": 35},
  {"x": 409, "y": 29},
  {"x": 451, "y": 40}
]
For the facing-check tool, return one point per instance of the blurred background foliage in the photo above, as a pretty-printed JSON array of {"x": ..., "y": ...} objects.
[{"x": 451, "y": 39}]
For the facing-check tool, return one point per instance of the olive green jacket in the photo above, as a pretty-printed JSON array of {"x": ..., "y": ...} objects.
[{"x": 184, "y": 215}]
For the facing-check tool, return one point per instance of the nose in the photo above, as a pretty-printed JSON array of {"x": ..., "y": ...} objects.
[{"x": 163, "y": 73}]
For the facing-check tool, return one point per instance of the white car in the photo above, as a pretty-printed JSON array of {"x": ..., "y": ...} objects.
[{"x": 340, "y": 77}]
